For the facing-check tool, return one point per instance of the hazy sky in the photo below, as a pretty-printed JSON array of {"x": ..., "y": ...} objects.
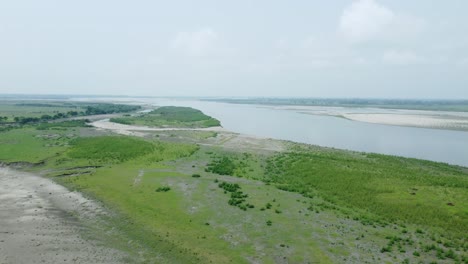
[{"x": 314, "y": 48}]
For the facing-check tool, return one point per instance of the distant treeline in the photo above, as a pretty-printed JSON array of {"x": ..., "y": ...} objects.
[
  {"x": 412, "y": 104},
  {"x": 48, "y": 105},
  {"x": 102, "y": 109}
]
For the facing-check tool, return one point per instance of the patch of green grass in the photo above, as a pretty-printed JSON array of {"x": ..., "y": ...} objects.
[
  {"x": 31, "y": 146},
  {"x": 191, "y": 221},
  {"x": 396, "y": 189},
  {"x": 112, "y": 149}
]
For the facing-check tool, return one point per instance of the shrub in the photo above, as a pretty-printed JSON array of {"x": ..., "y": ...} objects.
[
  {"x": 222, "y": 166},
  {"x": 163, "y": 189}
]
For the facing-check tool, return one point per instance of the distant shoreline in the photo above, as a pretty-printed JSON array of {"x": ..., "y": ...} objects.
[
  {"x": 403, "y": 104},
  {"x": 384, "y": 115}
]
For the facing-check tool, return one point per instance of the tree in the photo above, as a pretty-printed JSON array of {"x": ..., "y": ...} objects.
[{"x": 46, "y": 117}]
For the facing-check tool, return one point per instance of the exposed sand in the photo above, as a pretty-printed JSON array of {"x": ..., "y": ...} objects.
[
  {"x": 396, "y": 117},
  {"x": 425, "y": 121},
  {"x": 136, "y": 130},
  {"x": 43, "y": 222}
]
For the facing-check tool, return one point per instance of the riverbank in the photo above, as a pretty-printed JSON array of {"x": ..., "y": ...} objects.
[{"x": 394, "y": 117}]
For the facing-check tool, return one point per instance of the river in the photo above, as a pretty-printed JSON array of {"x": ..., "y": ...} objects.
[{"x": 329, "y": 131}]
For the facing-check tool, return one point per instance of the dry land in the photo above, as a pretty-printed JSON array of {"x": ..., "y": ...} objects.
[{"x": 43, "y": 222}]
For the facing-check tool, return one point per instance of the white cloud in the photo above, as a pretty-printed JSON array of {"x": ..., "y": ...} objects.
[
  {"x": 366, "y": 20},
  {"x": 195, "y": 43},
  {"x": 401, "y": 57}
]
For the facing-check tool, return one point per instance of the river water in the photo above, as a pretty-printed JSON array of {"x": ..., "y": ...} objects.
[{"x": 329, "y": 131}]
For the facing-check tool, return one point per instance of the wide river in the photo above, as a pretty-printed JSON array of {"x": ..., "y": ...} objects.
[{"x": 431, "y": 144}]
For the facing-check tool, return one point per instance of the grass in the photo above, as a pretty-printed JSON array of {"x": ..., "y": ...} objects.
[
  {"x": 396, "y": 189},
  {"x": 170, "y": 116},
  {"x": 175, "y": 222},
  {"x": 109, "y": 149},
  {"x": 50, "y": 109},
  {"x": 30, "y": 146},
  {"x": 13, "y": 109}
]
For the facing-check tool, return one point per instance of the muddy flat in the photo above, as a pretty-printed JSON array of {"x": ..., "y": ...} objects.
[{"x": 43, "y": 222}]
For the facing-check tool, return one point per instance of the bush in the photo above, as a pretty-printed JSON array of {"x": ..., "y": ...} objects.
[
  {"x": 237, "y": 196},
  {"x": 222, "y": 166},
  {"x": 72, "y": 123},
  {"x": 163, "y": 189}
]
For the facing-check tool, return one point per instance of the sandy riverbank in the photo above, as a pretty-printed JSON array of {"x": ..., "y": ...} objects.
[
  {"x": 395, "y": 117},
  {"x": 424, "y": 121},
  {"x": 43, "y": 222},
  {"x": 136, "y": 130}
]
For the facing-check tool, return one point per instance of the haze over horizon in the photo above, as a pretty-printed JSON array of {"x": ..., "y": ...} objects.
[{"x": 359, "y": 49}]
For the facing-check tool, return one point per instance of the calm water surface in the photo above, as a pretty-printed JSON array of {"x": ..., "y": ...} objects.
[{"x": 431, "y": 144}]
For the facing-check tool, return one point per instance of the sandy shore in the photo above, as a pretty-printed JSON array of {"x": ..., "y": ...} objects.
[
  {"x": 425, "y": 121},
  {"x": 395, "y": 117},
  {"x": 43, "y": 222},
  {"x": 136, "y": 130}
]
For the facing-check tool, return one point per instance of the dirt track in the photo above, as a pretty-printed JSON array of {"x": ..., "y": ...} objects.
[{"x": 43, "y": 222}]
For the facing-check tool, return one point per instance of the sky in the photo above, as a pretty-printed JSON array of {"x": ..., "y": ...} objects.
[{"x": 301, "y": 48}]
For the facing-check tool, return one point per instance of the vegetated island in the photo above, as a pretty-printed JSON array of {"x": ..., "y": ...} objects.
[
  {"x": 220, "y": 197},
  {"x": 170, "y": 116}
]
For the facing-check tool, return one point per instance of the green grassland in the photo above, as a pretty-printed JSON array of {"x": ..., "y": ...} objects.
[
  {"x": 170, "y": 116},
  {"x": 13, "y": 112},
  {"x": 11, "y": 109},
  {"x": 180, "y": 200},
  {"x": 410, "y": 191}
]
